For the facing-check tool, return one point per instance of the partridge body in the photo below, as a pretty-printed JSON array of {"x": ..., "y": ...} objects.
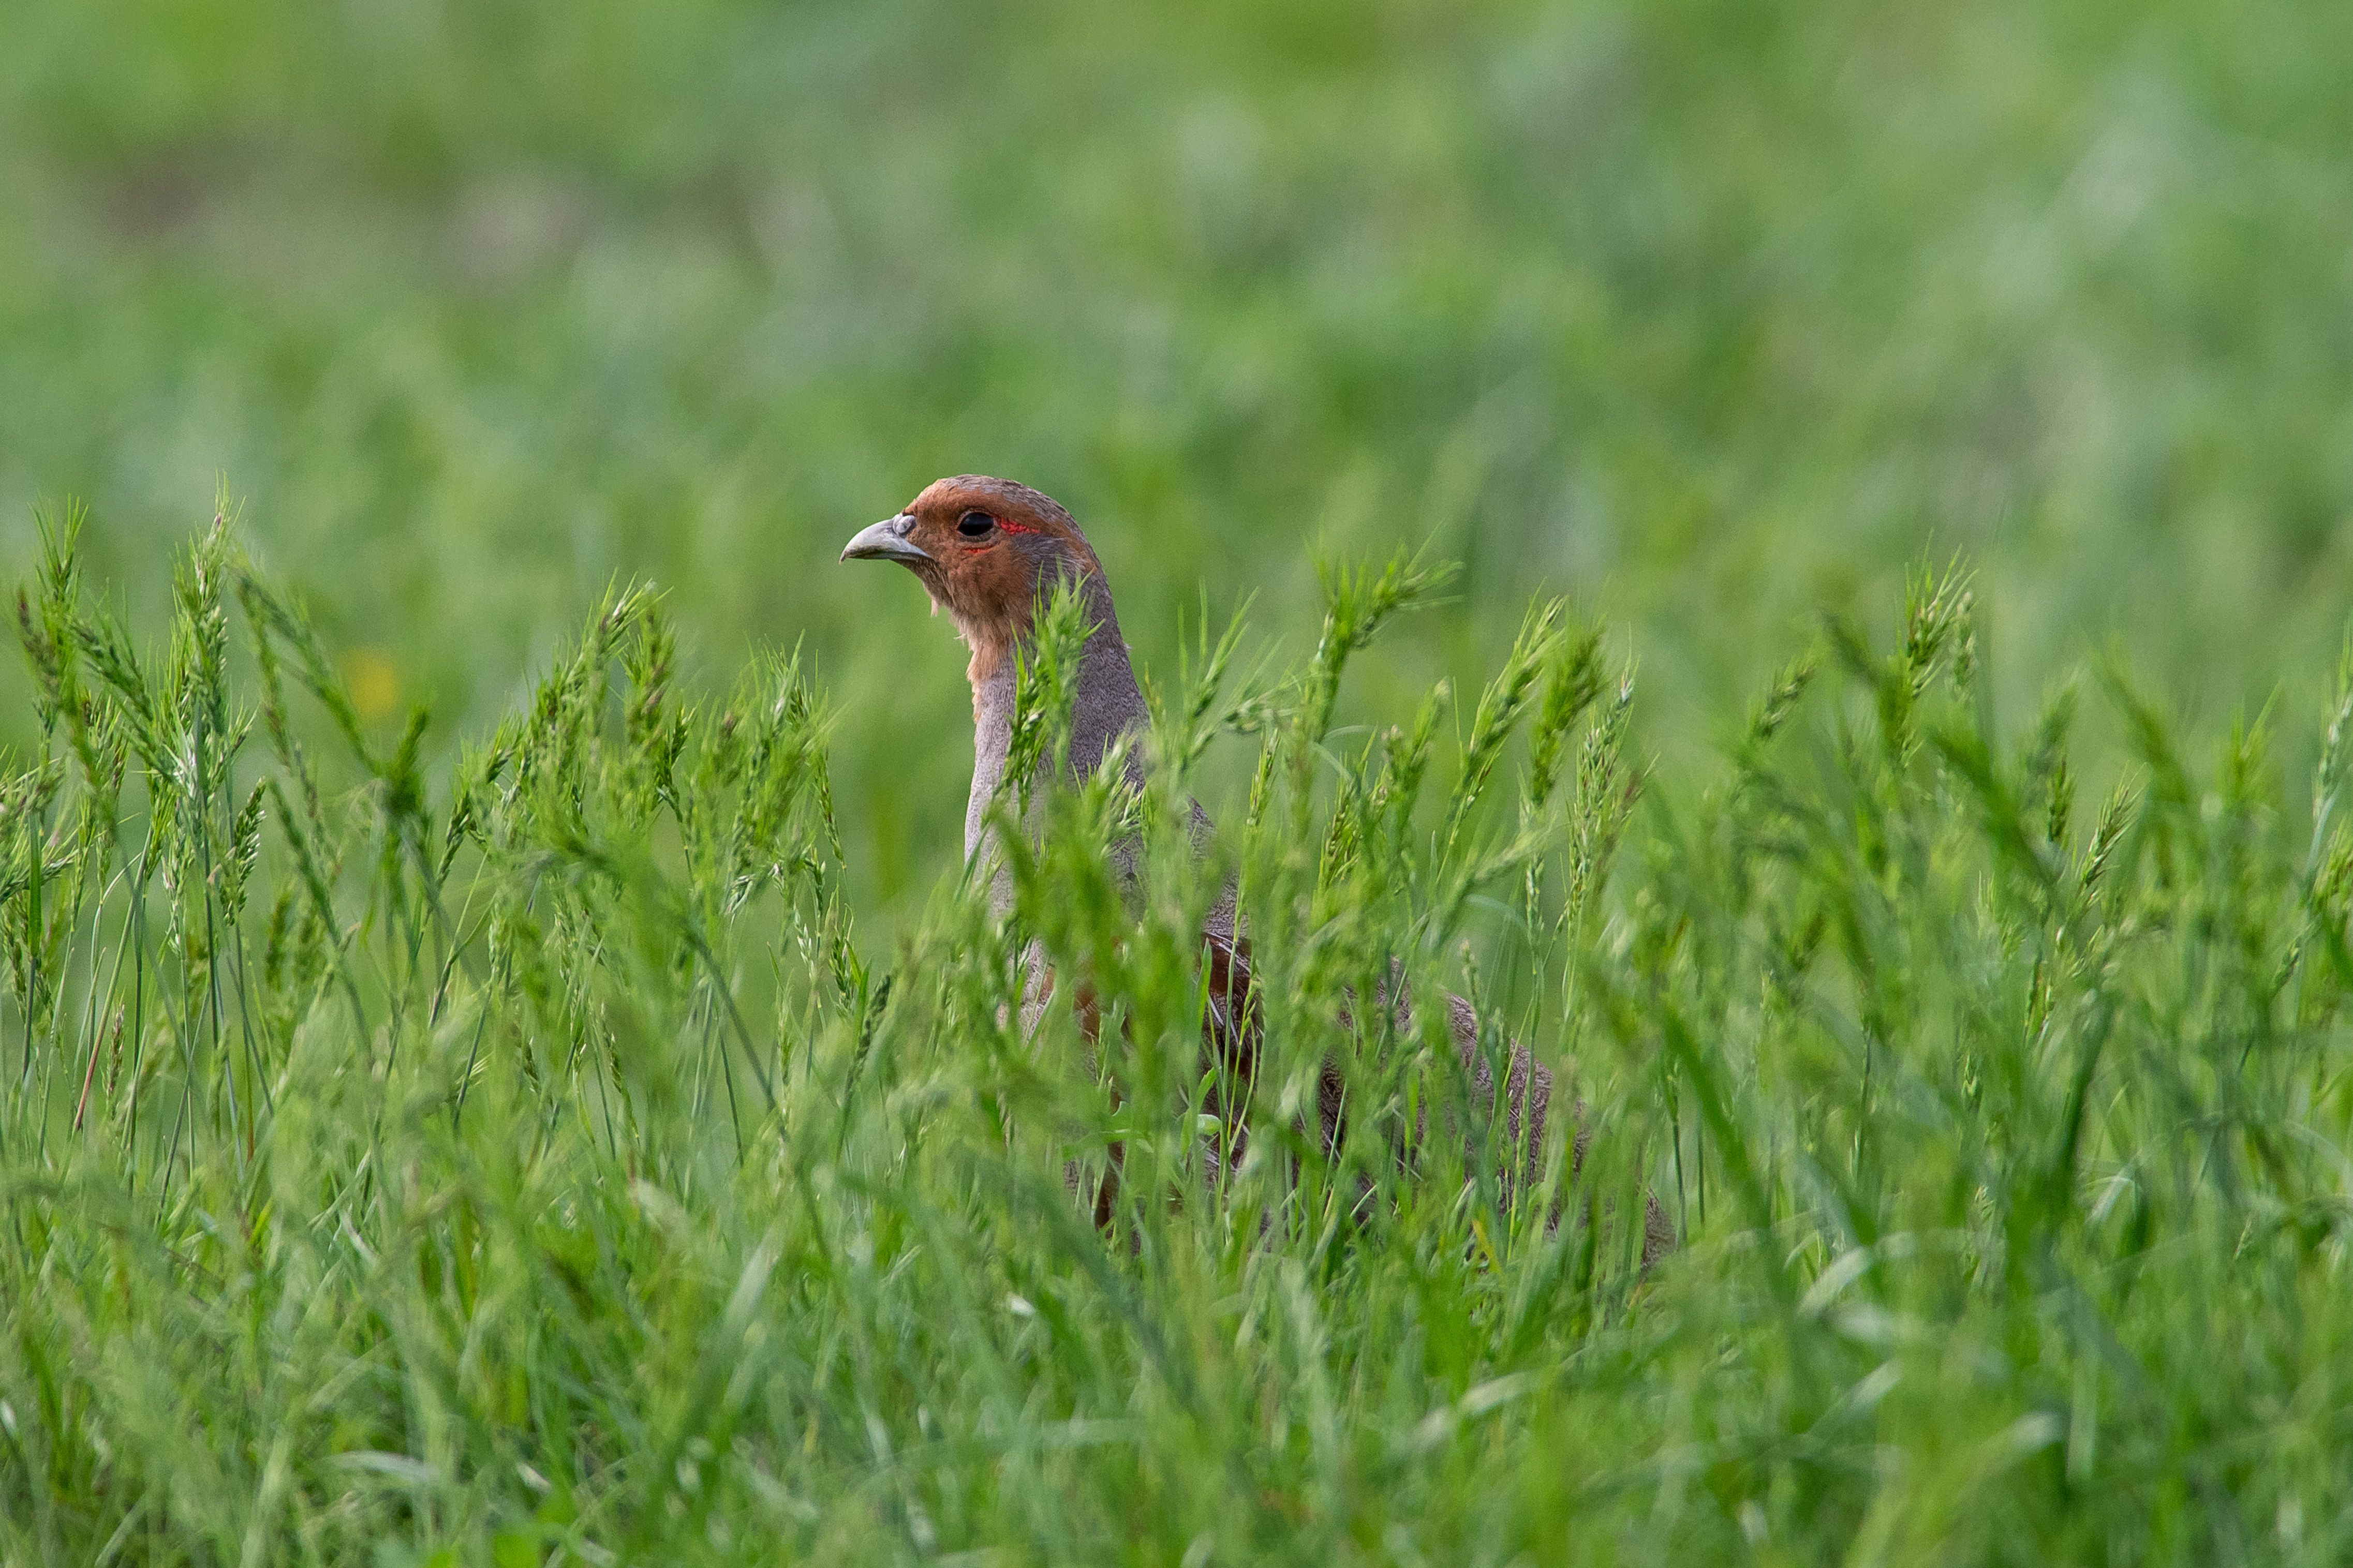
[{"x": 988, "y": 552}]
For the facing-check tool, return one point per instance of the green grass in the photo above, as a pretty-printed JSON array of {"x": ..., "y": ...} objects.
[
  {"x": 526, "y": 1162},
  {"x": 583, "y": 1118}
]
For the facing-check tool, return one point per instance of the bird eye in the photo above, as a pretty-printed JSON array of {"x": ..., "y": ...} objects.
[{"x": 973, "y": 524}]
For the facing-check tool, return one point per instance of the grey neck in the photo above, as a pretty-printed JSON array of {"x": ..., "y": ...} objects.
[{"x": 1106, "y": 705}]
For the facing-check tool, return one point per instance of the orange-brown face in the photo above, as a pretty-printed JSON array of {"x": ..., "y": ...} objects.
[{"x": 986, "y": 549}]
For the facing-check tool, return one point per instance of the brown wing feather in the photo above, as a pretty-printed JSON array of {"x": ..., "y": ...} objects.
[{"x": 1231, "y": 1031}]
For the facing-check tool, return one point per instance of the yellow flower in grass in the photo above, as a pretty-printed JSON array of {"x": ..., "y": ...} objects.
[{"x": 374, "y": 681}]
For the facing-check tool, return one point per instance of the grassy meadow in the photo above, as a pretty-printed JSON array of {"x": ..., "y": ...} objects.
[{"x": 1797, "y": 556}]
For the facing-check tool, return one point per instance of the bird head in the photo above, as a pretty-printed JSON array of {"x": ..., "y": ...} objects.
[{"x": 987, "y": 551}]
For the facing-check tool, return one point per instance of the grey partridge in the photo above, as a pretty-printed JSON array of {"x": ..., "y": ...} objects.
[{"x": 989, "y": 551}]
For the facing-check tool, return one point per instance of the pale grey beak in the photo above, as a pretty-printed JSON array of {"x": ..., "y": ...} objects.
[{"x": 886, "y": 540}]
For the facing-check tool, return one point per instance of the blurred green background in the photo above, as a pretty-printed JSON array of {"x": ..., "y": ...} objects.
[{"x": 1709, "y": 312}]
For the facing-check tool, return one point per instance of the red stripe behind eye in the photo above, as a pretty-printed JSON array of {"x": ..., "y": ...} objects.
[{"x": 1011, "y": 527}]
